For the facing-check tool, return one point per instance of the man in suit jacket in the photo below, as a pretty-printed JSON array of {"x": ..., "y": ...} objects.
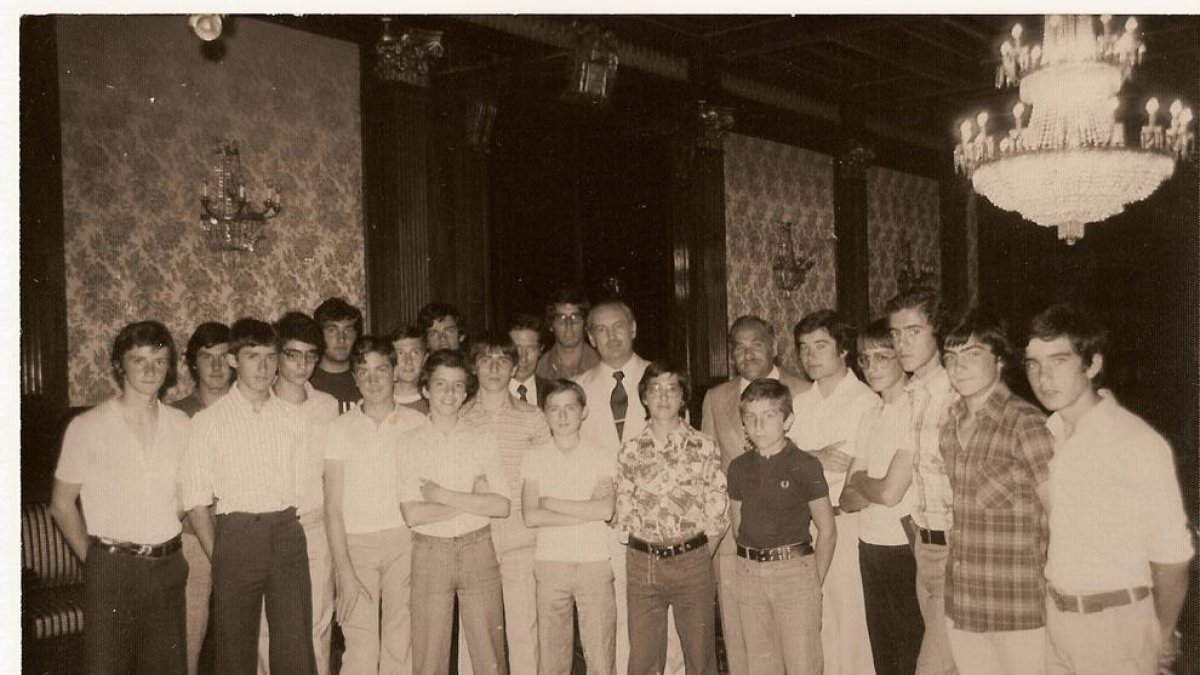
[
  {"x": 752, "y": 345},
  {"x": 526, "y": 385}
]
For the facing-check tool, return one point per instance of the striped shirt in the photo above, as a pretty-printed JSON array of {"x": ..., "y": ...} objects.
[
  {"x": 318, "y": 410},
  {"x": 247, "y": 461},
  {"x": 518, "y": 428},
  {"x": 931, "y": 397},
  {"x": 454, "y": 461},
  {"x": 370, "y": 479}
]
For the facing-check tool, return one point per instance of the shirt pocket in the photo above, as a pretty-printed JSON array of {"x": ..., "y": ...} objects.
[{"x": 996, "y": 486}]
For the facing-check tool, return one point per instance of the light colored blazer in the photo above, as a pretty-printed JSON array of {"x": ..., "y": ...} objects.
[
  {"x": 597, "y": 384},
  {"x": 720, "y": 418}
]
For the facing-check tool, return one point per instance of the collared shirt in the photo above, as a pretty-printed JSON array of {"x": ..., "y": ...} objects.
[
  {"x": 994, "y": 576},
  {"x": 823, "y": 420},
  {"x": 1117, "y": 504},
  {"x": 885, "y": 428},
  {"x": 247, "y": 461},
  {"x": 518, "y": 428},
  {"x": 370, "y": 478},
  {"x": 743, "y": 382},
  {"x": 128, "y": 492},
  {"x": 672, "y": 490},
  {"x": 454, "y": 461},
  {"x": 339, "y": 385},
  {"x": 551, "y": 368},
  {"x": 531, "y": 390},
  {"x": 775, "y": 492},
  {"x": 190, "y": 404},
  {"x": 931, "y": 398},
  {"x": 318, "y": 410},
  {"x": 415, "y": 402},
  {"x": 570, "y": 475}
]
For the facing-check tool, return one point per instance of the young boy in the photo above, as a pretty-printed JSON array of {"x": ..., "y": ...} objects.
[
  {"x": 775, "y": 491},
  {"x": 451, "y": 485},
  {"x": 567, "y": 495},
  {"x": 409, "y": 342}
]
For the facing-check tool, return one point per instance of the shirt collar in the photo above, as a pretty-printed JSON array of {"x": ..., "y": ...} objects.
[
  {"x": 1102, "y": 410},
  {"x": 938, "y": 377},
  {"x": 743, "y": 382},
  {"x": 993, "y": 405},
  {"x": 242, "y": 400}
]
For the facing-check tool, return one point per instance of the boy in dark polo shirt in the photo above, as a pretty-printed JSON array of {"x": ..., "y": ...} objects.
[{"x": 775, "y": 491}]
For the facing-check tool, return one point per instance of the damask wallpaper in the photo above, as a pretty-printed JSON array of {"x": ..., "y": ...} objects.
[
  {"x": 902, "y": 225},
  {"x": 142, "y": 110},
  {"x": 767, "y": 184}
]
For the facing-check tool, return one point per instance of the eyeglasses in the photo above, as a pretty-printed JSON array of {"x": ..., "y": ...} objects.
[
  {"x": 568, "y": 318},
  {"x": 664, "y": 390},
  {"x": 865, "y": 361},
  {"x": 297, "y": 356}
]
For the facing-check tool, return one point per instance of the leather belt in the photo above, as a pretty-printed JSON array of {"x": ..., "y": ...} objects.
[
  {"x": 936, "y": 537},
  {"x": 668, "y": 550},
  {"x": 1097, "y": 602},
  {"x": 778, "y": 553},
  {"x": 141, "y": 550}
]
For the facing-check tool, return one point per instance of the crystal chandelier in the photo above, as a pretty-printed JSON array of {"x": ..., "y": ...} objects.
[
  {"x": 232, "y": 222},
  {"x": 1069, "y": 164}
]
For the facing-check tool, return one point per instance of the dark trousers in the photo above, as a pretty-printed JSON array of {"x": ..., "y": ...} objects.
[
  {"x": 134, "y": 616},
  {"x": 893, "y": 616},
  {"x": 684, "y": 583},
  {"x": 257, "y": 557}
]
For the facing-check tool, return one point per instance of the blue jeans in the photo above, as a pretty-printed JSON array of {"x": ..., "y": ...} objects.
[
  {"x": 780, "y": 604},
  {"x": 684, "y": 583},
  {"x": 443, "y": 567}
]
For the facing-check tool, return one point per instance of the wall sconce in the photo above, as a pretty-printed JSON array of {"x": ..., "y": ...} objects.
[
  {"x": 911, "y": 274},
  {"x": 788, "y": 269},
  {"x": 232, "y": 222},
  {"x": 593, "y": 64},
  {"x": 407, "y": 58}
]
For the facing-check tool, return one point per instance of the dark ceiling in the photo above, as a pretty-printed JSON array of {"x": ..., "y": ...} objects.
[{"x": 912, "y": 76}]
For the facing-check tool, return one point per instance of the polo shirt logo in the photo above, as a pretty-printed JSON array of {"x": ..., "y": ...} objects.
[{"x": 785, "y": 483}]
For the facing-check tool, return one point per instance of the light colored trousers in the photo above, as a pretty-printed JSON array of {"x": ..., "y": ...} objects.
[
  {"x": 514, "y": 550},
  {"x": 199, "y": 587},
  {"x": 1118, "y": 641},
  {"x": 378, "y": 632},
  {"x": 725, "y": 566},
  {"x": 936, "y": 657},
  {"x": 780, "y": 606},
  {"x": 1006, "y": 652},
  {"x": 845, "y": 641},
  {"x": 320, "y": 572},
  {"x": 588, "y": 586}
]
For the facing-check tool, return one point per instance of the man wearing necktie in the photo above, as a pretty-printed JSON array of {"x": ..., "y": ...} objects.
[{"x": 526, "y": 385}]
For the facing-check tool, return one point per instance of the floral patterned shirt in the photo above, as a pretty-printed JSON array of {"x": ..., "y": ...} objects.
[{"x": 670, "y": 491}]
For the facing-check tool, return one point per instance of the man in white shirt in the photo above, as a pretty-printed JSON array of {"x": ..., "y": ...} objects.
[
  {"x": 567, "y": 495},
  {"x": 247, "y": 453},
  {"x": 451, "y": 485},
  {"x": 372, "y": 547},
  {"x": 827, "y": 420},
  {"x": 121, "y": 460},
  {"x": 1117, "y": 565},
  {"x": 526, "y": 384},
  {"x": 302, "y": 342}
]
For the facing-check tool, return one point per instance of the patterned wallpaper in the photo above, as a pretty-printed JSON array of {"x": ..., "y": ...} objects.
[
  {"x": 141, "y": 112},
  {"x": 767, "y": 183},
  {"x": 902, "y": 211}
]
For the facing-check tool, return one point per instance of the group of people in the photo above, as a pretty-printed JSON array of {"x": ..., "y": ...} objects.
[{"x": 922, "y": 519}]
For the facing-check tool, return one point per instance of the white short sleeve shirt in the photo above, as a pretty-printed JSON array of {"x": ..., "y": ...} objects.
[
  {"x": 368, "y": 454},
  {"x": 454, "y": 461},
  {"x": 570, "y": 475}
]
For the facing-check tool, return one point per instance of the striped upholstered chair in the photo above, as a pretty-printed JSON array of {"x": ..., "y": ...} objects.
[{"x": 51, "y": 589}]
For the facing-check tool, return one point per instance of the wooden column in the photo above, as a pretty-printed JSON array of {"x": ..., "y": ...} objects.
[
  {"x": 850, "y": 226},
  {"x": 956, "y": 243}
]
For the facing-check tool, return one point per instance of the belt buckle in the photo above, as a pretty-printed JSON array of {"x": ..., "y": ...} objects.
[{"x": 144, "y": 550}]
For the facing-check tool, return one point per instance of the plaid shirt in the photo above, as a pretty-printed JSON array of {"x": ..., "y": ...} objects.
[{"x": 994, "y": 577}]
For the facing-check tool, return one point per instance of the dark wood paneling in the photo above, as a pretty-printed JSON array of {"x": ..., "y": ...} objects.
[{"x": 850, "y": 226}]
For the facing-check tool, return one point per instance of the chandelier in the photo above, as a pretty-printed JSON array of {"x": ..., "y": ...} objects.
[
  {"x": 232, "y": 222},
  {"x": 1068, "y": 163},
  {"x": 790, "y": 269}
]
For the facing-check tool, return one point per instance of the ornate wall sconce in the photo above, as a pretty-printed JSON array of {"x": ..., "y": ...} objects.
[
  {"x": 789, "y": 269},
  {"x": 594, "y": 62},
  {"x": 232, "y": 222},
  {"x": 911, "y": 273},
  {"x": 406, "y": 58}
]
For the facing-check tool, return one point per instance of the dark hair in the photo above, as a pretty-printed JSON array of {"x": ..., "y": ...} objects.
[
  {"x": 767, "y": 389},
  {"x": 838, "y": 328},
  {"x": 922, "y": 299},
  {"x": 664, "y": 367},
  {"x": 987, "y": 328},
  {"x": 439, "y": 310},
  {"x": 752, "y": 320},
  {"x": 447, "y": 358},
  {"x": 302, "y": 328},
  {"x": 248, "y": 332},
  {"x": 559, "y": 386},
  {"x": 337, "y": 309},
  {"x": 145, "y": 334},
  {"x": 206, "y": 335},
  {"x": 876, "y": 334},
  {"x": 568, "y": 295},
  {"x": 372, "y": 344},
  {"x": 493, "y": 341},
  {"x": 527, "y": 322},
  {"x": 408, "y": 332},
  {"x": 1088, "y": 337}
]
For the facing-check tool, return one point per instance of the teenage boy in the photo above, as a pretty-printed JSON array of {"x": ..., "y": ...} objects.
[
  {"x": 121, "y": 460},
  {"x": 442, "y": 325},
  {"x": 205, "y": 359},
  {"x": 997, "y": 452},
  {"x": 1117, "y": 566},
  {"x": 827, "y": 417},
  {"x": 913, "y": 319},
  {"x": 248, "y": 448},
  {"x": 880, "y": 484},
  {"x": 672, "y": 504},
  {"x": 527, "y": 385},
  {"x": 567, "y": 495},
  {"x": 451, "y": 486},
  {"x": 372, "y": 547},
  {"x": 517, "y": 428},
  {"x": 302, "y": 342},
  {"x": 776, "y": 491},
  {"x": 409, "y": 342},
  {"x": 570, "y": 355},
  {"x": 341, "y": 324}
]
